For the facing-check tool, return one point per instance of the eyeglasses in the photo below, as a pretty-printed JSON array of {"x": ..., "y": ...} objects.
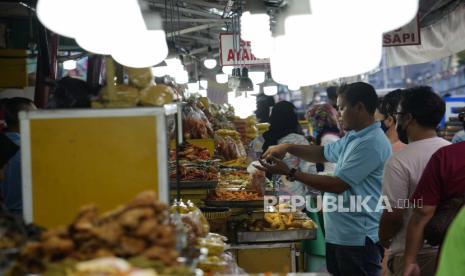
[{"x": 398, "y": 113}]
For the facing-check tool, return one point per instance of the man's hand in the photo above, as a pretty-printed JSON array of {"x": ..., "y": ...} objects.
[
  {"x": 278, "y": 151},
  {"x": 411, "y": 270},
  {"x": 276, "y": 166}
]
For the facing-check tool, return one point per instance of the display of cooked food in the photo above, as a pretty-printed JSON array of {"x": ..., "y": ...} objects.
[
  {"x": 274, "y": 221},
  {"x": 191, "y": 152},
  {"x": 12, "y": 230},
  {"x": 195, "y": 123},
  {"x": 224, "y": 195},
  {"x": 195, "y": 223},
  {"x": 234, "y": 179},
  {"x": 142, "y": 228},
  {"x": 229, "y": 145},
  {"x": 194, "y": 172}
]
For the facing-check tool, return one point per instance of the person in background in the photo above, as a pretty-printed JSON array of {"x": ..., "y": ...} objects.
[
  {"x": 323, "y": 119},
  {"x": 332, "y": 96},
  {"x": 443, "y": 179},
  {"x": 452, "y": 259},
  {"x": 460, "y": 136},
  {"x": 316, "y": 99},
  {"x": 324, "y": 122},
  {"x": 285, "y": 129},
  {"x": 385, "y": 114},
  {"x": 70, "y": 93},
  {"x": 10, "y": 186},
  {"x": 420, "y": 112},
  {"x": 264, "y": 106},
  {"x": 352, "y": 243}
]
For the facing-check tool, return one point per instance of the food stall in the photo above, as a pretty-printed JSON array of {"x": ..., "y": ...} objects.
[{"x": 153, "y": 125}]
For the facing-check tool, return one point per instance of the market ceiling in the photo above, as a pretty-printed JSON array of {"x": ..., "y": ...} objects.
[{"x": 194, "y": 25}]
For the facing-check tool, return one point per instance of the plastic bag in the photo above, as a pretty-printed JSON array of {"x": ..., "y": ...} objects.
[{"x": 195, "y": 123}]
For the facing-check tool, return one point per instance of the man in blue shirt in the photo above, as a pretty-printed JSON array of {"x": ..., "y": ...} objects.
[
  {"x": 10, "y": 186},
  {"x": 352, "y": 243}
]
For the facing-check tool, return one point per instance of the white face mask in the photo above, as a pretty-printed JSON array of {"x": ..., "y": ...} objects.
[{"x": 317, "y": 98}]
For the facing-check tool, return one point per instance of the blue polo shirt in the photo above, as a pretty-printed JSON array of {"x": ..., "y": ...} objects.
[
  {"x": 10, "y": 186},
  {"x": 359, "y": 158}
]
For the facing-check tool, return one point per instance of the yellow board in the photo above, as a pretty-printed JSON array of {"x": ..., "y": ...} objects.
[
  {"x": 77, "y": 161},
  {"x": 206, "y": 143},
  {"x": 13, "y": 70}
]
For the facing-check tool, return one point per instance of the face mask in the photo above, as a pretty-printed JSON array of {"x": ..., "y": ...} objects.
[
  {"x": 317, "y": 99},
  {"x": 402, "y": 133},
  {"x": 384, "y": 127}
]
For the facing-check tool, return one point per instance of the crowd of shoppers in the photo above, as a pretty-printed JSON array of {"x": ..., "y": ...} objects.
[{"x": 424, "y": 169}]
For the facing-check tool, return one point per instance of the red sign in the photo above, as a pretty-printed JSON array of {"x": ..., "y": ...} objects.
[
  {"x": 407, "y": 35},
  {"x": 239, "y": 55}
]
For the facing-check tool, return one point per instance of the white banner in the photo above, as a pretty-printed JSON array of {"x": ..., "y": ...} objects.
[
  {"x": 407, "y": 35},
  {"x": 229, "y": 56}
]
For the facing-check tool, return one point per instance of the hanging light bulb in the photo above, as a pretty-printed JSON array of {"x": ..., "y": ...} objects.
[
  {"x": 182, "y": 77},
  {"x": 293, "y": 87},
  {"x": 257, "y": 77},
  {"x": 209, "y": 61},
  {"x": 139, "y": 47},
  {"x": 245, "y": 83},
  {"x": 231, "y": 97},
  {"x": 204, "y": 84},
  {"x": 193, "y": 87},
  {"x": 233, "y": 81},
  {"x": 160, "y": 71},
  {"x": 221, "y": 78},
  {"x": 255, "y": 27},
  {"x": 270, "y": 88},
  {"x": 70, "y": 64},
  {"x": 100, "y": 31},
  {"x": 227, "y": 70},
  {"x": 57, "y": 16}
]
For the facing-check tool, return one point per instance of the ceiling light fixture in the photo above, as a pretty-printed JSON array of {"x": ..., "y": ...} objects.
[
  {"x": 70, "y": 64},
  {"x": 270, "y": 87},
  {"x": 257, "y": 77},
  {"x": 221, "y": 78},
  {"x": 227, "y": 70},
  {"x": 245, "y": 83},
  {"x": 209, "y": 61}
]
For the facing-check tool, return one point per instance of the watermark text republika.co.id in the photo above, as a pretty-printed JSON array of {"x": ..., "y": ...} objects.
[{"x": 337, "y": 203}]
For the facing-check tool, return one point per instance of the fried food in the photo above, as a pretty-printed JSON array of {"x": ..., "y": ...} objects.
[
  {"x": 127, "y": 231},
  {"x": 235, "y": 195},
  {"x": 281, "y": 221}
]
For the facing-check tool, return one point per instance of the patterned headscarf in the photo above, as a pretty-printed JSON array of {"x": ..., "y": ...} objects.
[{"x": 323, "y": 117}]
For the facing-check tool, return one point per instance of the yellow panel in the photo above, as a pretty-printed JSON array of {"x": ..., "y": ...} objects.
[
  {"x": 78, "y": 161},
  {"x": 206, "y": 143},
  {"x": 277, "y": 260},
  {"x": 13, "y": 69}
]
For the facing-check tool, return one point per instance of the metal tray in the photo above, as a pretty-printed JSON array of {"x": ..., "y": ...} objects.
[
  {"x": 276, "y": 236},
  {"x": 197, "y": 184},
  {"x": 235, "y": 203}
]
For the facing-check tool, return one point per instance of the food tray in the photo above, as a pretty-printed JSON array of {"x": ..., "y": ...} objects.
[
  {"x": 196, "y": 184},
  {"x": 276, "y": 236},
  {"x": 235, "y": 203}
]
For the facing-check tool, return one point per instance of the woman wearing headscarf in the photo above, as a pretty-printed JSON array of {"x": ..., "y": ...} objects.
[
  {"x": 285, "y": 129},
  {"x": 325, "y": 124}
]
